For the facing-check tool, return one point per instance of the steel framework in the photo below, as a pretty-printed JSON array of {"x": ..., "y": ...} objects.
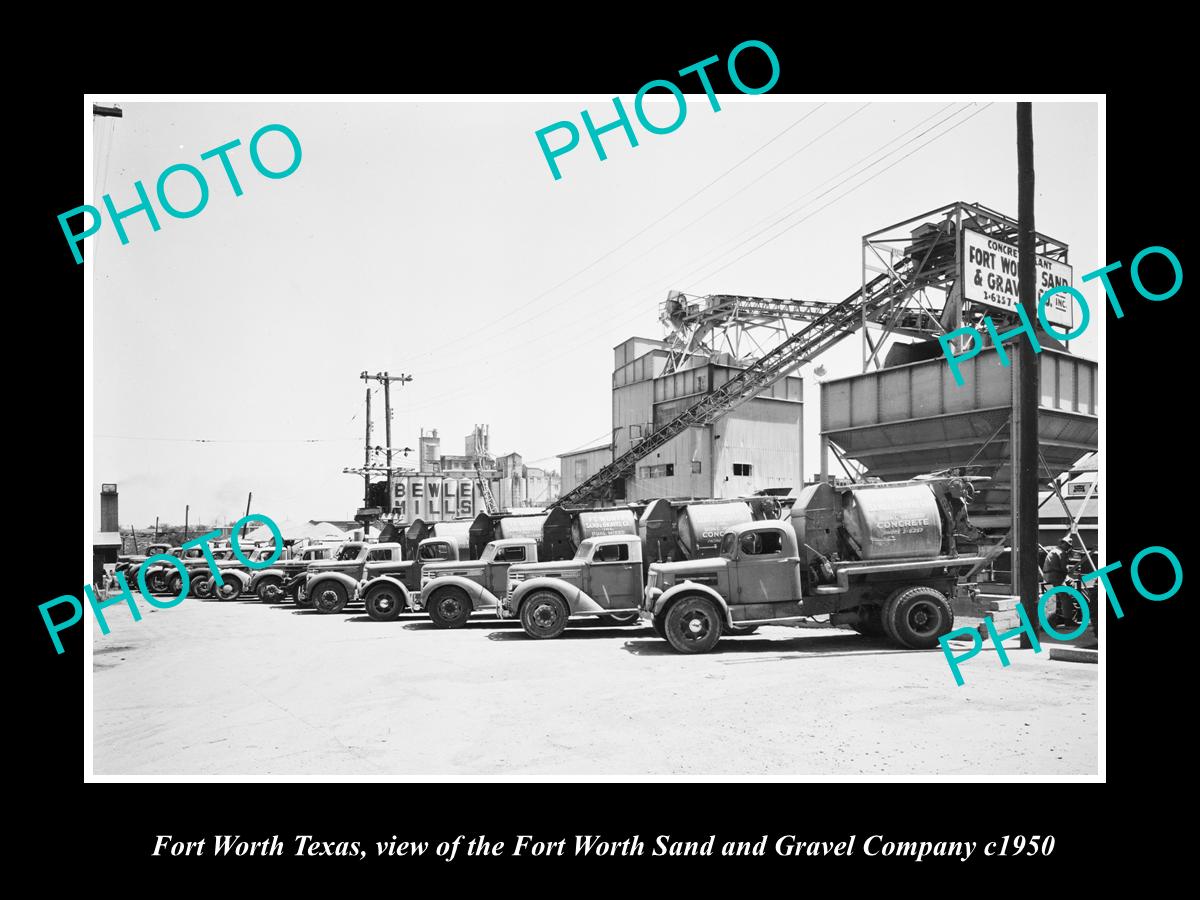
[{"x": 927, "y": 300}]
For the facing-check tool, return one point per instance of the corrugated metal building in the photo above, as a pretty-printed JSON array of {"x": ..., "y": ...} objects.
[{"x": 756, "y": 446}]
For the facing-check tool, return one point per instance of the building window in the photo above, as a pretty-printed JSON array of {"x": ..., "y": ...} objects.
[
  {"x": 701, "y": 383},
  {"x": 644, "y": 472},
  {"x": 670, "y": 467},
  {"x": 695, "y": 467},
  {"x": 635, "y": 432},
  {"x": 741, "y": 468},
  {"x": 580, "y": 470}
]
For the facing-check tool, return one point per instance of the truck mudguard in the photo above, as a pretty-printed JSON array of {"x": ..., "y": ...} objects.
[
  {"x": 363, "y": 587},
  {"x": 481, "y": 597},
  {"x": 577, "y": 600},
  {"x": 690, "y": 587}
]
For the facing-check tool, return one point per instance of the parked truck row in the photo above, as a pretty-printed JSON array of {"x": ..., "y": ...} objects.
[{"x": 881, "y": 558}]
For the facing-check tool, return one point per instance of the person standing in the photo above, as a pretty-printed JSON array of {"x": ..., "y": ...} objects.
[{"x": 1054, "y": 569}]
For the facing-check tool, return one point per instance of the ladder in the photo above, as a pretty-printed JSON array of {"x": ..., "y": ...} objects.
[
  {"x": 489, "y": 502},
  {"x": 840, "y": 321}
]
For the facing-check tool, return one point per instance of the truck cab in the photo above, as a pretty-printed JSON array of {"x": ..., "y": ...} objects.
[
  {"x": 881, "y": 558},
  {"x": 387, "y": 589},
  {"x": 329, "y": 584},
  {"x": 277, "y": 583},
  {"x": 451, "y": 591},
  {"x": 605, "y": 577}
]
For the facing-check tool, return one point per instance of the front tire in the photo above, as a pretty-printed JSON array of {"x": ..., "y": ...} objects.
[
  {"x": 329, "y": 597},
  {"x": 202, "y": 587},
  {"x": 449, "y": 607},
  {"x": 693, "y": 625},
  {"x": 918, "y": 616},
  {"x": 544, "y": 615},
  {"x": 156, "y": 583},
  {"x": 229, "y": 589},
  {"x": 384, "y": 603}
]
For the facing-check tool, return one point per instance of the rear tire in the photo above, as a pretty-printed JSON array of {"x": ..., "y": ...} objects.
[
  {"x": 202, "y": 586},
  {"x": 544, "y": 615},
  {"x": 156, "y": 583},
  {"x": 693, "y": 625},
  {"x": 330, "y": 597},
  {"x": 449, "y": 607},
  {"x": 625, "y": 618},
  {"x": 870, "y": 623},
  {"x": 918, "y": 616},
  {"x": 175, "y": 584},
  {"x": 270, "y": 589},
  {"x": 740, "y": 630},
  {"x": 384, "y": 603}
]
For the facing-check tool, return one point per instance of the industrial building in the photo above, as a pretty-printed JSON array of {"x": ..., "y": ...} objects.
[
  {"x": 755, "y": 447},
  {"x": 445, "y": 486}
]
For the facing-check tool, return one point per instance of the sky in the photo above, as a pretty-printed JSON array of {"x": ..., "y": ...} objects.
[{"x": 430, "y": 238}]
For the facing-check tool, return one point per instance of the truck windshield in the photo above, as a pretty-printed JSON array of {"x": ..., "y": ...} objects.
[
  {"x": 435, "y": 551},
  {"x": 348, "y": 553},
  {"x": 489, "y": 553},
  {"x": 584, "y": 551}
]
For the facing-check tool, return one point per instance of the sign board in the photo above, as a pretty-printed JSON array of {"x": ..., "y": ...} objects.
[
  {"x": 434, "y": 498},
  {"x": 1081, "y": 488},
  {"x": 990, "y": 278}
]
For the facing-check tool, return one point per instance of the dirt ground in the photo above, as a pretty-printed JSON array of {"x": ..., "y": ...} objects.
[{"x": 239, "y": 688}]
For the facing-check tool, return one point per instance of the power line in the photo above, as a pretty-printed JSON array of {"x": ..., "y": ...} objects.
[
  {"x": 431, "y": 350},
  {"x": 126, "y": 437},
  {"x": 541, "y": 361}
]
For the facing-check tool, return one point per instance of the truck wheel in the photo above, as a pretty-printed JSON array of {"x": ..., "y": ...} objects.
[
  {"x": 918, "y": 616},
  {"x": 544, "y": 615},
  {"x": 384, "y": 603},
  {"x": 449, "y": 607},
  {"x": 174, "y": 584},
  {"x": 270, "y": 589},
  {"x": 625, "y": 618},
  {"x": 693, "y": 625},
  {"x": 156, "y": 582},
  {"x": 870, "y": 622},
  {"x": 229, "y": 590},
  {"x": 740, "y": 630},
  {"x": 329, "y": 597},
  {"x": 302, "y": 601},
  {"x": 202, "y": 587}
]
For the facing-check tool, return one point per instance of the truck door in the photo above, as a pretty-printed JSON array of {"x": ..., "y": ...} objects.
[
  {"x": 615, "y": 580},
  {"x": 496, "y": 577},
  {"x": 764, "y": 580}
]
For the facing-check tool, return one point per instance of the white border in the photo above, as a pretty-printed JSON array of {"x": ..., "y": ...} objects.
[{"x": 89, "y": 775}]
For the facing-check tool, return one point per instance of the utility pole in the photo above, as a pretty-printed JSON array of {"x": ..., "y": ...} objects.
[
  {"x": 156, "y": 529},
  {"x": 186, "y": 511},
  {"x": 385, "y": 378},
  {"x": 246, "y": 524},
  {"x": 367, "y": 462},
  {"x": 1026, "y": 388}
]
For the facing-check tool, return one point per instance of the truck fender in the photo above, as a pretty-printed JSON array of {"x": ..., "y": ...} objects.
[
  {"x": 577, "y": 600},
  {"x": 349, "y": 583},
  {"x": 259, "y": 574},
  {"x": 364, "y": 586},
  {"x": 690, "y": 588},
  {"x": 481, "y": 597}
]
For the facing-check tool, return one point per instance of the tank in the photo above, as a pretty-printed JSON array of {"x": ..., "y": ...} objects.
[
  {"x": 701, "y": 525},
  {"x": 603, "y": 521},
  {"x": 458, "y": 531},
  {"x": 893, "y": 523},
  {"x": 488, "y": 527}
]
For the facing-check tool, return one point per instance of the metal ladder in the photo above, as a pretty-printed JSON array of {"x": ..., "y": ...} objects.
[{"x": 489, "y": 502}]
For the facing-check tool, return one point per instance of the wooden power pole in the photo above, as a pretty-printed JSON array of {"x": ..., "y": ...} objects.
[
  {"x": 246, "y": 524},
  {"x": 1025, "y": 387}
]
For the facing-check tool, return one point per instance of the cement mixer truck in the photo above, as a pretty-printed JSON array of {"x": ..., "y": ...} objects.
[
  {"x": 882, "y": 558},
  {"x": 610, "y": 550},
  {"x": 388, "y": 588}
]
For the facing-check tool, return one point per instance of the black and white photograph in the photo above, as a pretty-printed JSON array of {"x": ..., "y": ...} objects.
[{"x": 708, "y": 431}]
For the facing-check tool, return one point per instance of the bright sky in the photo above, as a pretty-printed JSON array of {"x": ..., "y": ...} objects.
[{"x": 429, "y": 238}]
